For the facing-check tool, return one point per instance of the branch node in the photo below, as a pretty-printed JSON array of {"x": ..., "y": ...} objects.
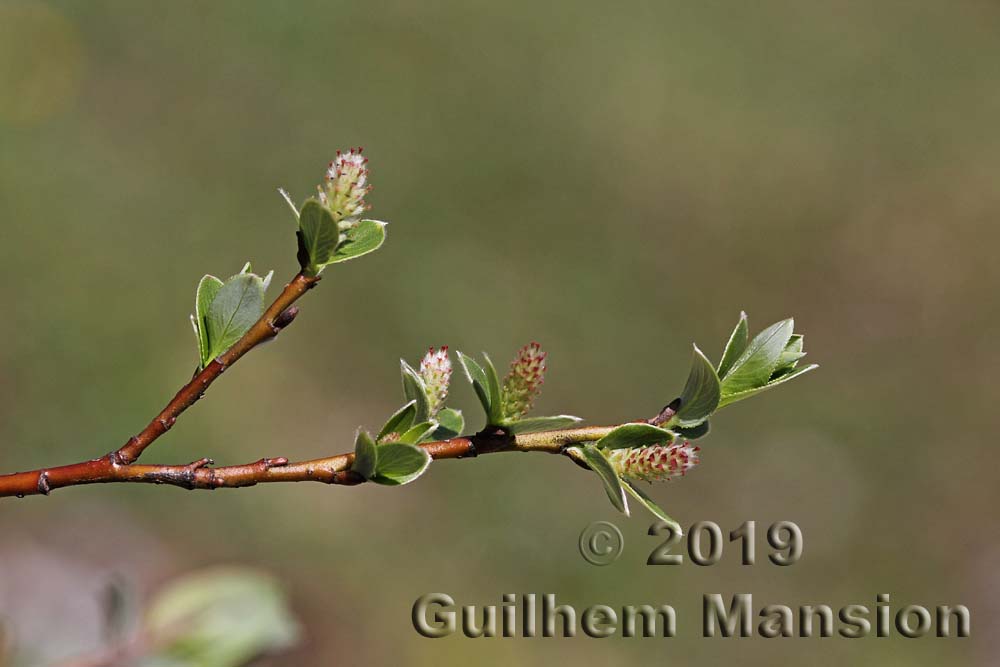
[
  {"x": 117, "y": 458},
  {"x": 200, "y": 463},
  {"x": 285, "y": 318},
  {"x": 490, "y": 439},
  {"x": 346, "y": 478},
  {"x": 43, "y": 483}
]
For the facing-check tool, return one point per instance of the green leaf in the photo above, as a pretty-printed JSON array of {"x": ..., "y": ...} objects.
[
  {"x": 222, "y": 617},
  {"x": 635, "y": 435},
  {"x": 641, "y": 496},
  {"x": 693, "y": 432},
  {"x": 318, "y": 237},
  {"x": 493, "y": 383},
  {"x": 365, "y": 455},
  {"x": 701, "y": 392},
  {"x": 418, "y": 432},
  {"x": 790, "y": 356},
  {"x": 451, "y": 423},
  {"x": 754, "y": 366},
  {"x": 595, "y": 459},
  {"x": 400, "y": 421},
  {"x": 732, "y": 398},
  {"x": 400, "y": 464},
  {"x": 238, "y": 304},
  {"x": 365, "y": 237},
  {"x": 208, "y": 288},
  {"x": 415, "y": 390},
  {"x": 734, "y": 348},
  {"x": 477, "y": 377},
  {"x": 540, "y": 423}
]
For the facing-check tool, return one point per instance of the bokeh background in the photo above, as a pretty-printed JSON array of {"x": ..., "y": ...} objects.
[{"x": 615, "y": 180}]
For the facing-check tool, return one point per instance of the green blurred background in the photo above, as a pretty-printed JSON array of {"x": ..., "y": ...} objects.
[{"x": 615, "y": 180}]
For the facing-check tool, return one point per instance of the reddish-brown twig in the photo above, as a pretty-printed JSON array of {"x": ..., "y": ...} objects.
[{"x": 118, "y": 463}]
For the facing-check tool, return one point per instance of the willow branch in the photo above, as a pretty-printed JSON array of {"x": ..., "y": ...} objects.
[
  {"x": 119, "y": 462},
  {"x": 330, "y": 470},
  {"x": 270, "y": 324}
]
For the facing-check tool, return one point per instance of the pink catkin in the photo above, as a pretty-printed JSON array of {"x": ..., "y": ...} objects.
[
  {"x": 656, "y": 462},
  {"x": 435, "y": 370},
  {"x": 346, "y": 185},
  {"x": 523, "y": 382}
]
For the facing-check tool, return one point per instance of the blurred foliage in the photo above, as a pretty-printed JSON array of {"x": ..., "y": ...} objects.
[
  {"x": 615, "y": 180},
  {"x": 218, "y": 618}
]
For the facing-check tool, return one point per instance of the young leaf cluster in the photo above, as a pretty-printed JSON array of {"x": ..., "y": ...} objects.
[
  {"x": 661, "y": 447},
  {"x": 393, "y": 456},
  {"x": 324, "y": 241},
  {"x": 331, "y": 228},
  {"x": 771, "y": 358}
]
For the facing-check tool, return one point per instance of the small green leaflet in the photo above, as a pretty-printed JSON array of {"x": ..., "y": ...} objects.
[
  {"x": 494, "y": 414},
  {"x": 768, "y": 360},
  {"x": 365, "y": 455},
  {"x": 415, "y": 390},
  {"x": 732, "y": 398},
  {"x": 701, "y": 393},
  {"x": 400, "y": 421},
  {"x": 694, "y": 432},
  {"x": 791, "y": 355},
  {"x": 477, "y": 377},
  {"x": 417, "y": 433},
  {"x": 318, "y": 235},
  {"x": 734, "y": 348},
  {"x": 364, "y": 237},
  {"x": 596, "y": 461},
  {"x": 208, "y": 288},
  {"x": 451, "y": 423},
  {"x": 532, "y": 424},
  {"x": 224, "y": 312},
  {"x": 754, "y": 366},
  {"x": 635, "y": 435},
  {"x": 641, "y": 496},
  {"x": 400, "y": 464}
]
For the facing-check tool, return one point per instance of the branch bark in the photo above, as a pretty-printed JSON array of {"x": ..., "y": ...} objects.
[{"x": 330, "y": 470}]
